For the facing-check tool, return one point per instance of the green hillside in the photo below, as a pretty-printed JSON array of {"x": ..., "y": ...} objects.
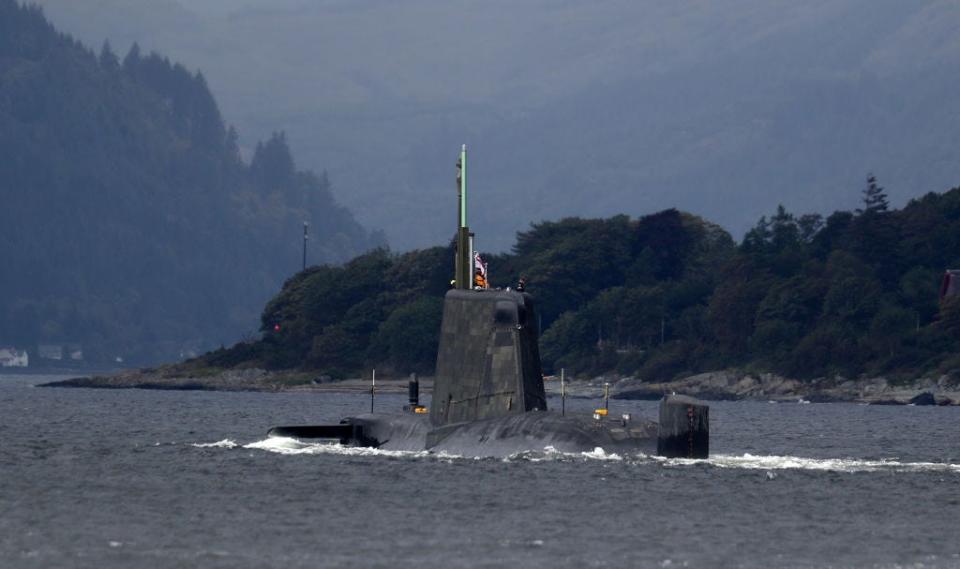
[
  {"x": 130, "y": 223},
  {"x": 656, "y": 297}
]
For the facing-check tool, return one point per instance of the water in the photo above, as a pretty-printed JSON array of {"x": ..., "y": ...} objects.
[{"x": 132, "y": 478}]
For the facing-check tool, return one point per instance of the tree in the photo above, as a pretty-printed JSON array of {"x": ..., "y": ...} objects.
[
  {"x": 232, "y": 144},
  {"x": 408, "y": 338},
  {"x": 874, "y": 198},
  {"x": 809, "y": 225},
  {"x": 108, "y": 60},
  {"x": 132, "y": 59},
  {"x": 758, "y": 238},
  {"x": 874, "y": 235},
  {"x": 272, "y": 164},
  {"x": 733, "y": 305},
  {"x": 666, "y": 239},
  {"x": 783, "y": 229}
]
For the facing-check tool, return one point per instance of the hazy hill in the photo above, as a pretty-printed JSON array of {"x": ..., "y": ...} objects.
[
  {"x": 724, "y": 109},
  {"x": 129, "y": 222}
]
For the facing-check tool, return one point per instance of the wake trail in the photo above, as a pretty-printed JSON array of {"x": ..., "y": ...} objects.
[{"x": 291, "y": 446}]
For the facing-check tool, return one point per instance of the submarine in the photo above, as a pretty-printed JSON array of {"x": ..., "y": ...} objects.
[{"x": 488, "y": 396}]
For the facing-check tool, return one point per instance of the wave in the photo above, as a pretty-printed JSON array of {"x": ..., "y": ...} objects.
[
  {"x": 287, "y": 445},
  {"x": 225, "y": 443},
  {"x": 772, "y": 462},
  {"x": 769, "y": 463},
  {"x": 748, "y": 462},
  {"x": 550, "y": 453}
]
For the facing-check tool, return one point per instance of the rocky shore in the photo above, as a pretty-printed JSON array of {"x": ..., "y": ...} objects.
[
  {"x": 727, "y": 385},
  {"x": 734, "y": 385}
]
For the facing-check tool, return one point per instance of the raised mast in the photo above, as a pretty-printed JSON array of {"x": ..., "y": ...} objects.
[
  {"x": 464, "y": 261},
  {"x": 463, "y": 186}
]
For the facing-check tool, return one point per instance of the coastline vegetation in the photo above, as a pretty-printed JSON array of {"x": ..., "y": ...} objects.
[{"x": 657, "y": 297}]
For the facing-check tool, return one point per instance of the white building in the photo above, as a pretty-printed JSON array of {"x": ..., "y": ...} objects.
[{"x": 12, "y": 357}]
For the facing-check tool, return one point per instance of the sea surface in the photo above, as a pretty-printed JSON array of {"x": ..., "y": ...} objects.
[{"x": 135, "y": 478}]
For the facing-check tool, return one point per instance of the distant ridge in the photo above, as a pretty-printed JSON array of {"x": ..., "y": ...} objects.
[
  {"x": 721, "y": 108},
  {"x": 130, "y": 223}
]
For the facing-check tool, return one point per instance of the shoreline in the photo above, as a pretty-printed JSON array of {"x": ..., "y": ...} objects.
[
  {"x": 4, "y": 371},
  {"x": 726, "y": 385},
  {"x": 737, "y": 385},
  {"x": 250, "y": 380}
]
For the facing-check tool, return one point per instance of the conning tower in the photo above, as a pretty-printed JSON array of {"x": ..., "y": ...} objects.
[{"x": 488, "y": 363}]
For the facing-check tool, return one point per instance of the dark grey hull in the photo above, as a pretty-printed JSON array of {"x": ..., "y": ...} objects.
[
  {"x": 500, "y": 437},
  {"x": 683, "y": 431}
]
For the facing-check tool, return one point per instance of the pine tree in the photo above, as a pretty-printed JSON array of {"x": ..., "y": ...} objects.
[
  {"x": 232, "y": 145},
  {"x": 272, "y": 163},
  {"x": 874, "y": 198},
  {"x": 783, "y": 229},
  {"x": 758, "y": 238},
  {"x": 108, "y": 59},
  {"x": 132, "y": 60}
]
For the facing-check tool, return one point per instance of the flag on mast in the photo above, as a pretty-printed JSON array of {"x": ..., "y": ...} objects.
[{"x": 481, "y": 266}]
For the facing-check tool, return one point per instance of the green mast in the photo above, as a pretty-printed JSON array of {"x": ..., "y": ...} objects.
[
  {"x": 464, "y": 262},
  {"x": 463, "y": 186}
]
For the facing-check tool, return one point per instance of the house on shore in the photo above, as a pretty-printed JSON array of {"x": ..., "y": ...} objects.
[{"x": 12, "y": 357}]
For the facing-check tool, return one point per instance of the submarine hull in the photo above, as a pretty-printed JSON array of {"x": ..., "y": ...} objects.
[
  {"x": 497, "y": 437},
  {"x": 538, "y": 431},
  {"x": 683, "y": 432}
]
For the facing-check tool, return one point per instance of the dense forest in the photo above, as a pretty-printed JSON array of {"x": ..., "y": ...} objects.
[
  {"x": 129, "y": 220},
  {"x": 656, "y": 297}
]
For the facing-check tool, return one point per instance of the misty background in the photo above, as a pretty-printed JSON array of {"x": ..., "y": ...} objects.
[
  {"x": 161, "y": 158},
  {"x": 724, "y": 109}
]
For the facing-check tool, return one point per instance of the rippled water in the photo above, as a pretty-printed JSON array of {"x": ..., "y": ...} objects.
[{"x": 131, "y": 478}]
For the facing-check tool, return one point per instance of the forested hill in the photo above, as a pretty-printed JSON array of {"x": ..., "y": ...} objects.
[
  {"x": 664, "y": 295},
  {"x": 129, "y": 221}
]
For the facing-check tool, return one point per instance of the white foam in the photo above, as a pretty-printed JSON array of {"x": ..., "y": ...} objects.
[
  {"x": 293, "y": 446},
  {"x": 772, "y": 462},
  {"x": 287, "y": 445},
  {"x": 600, "y": 454},
  {"x": 225, "y": 443},
  {"x": 768, "y": 463},
  {"x": 550, "y": 453}
]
